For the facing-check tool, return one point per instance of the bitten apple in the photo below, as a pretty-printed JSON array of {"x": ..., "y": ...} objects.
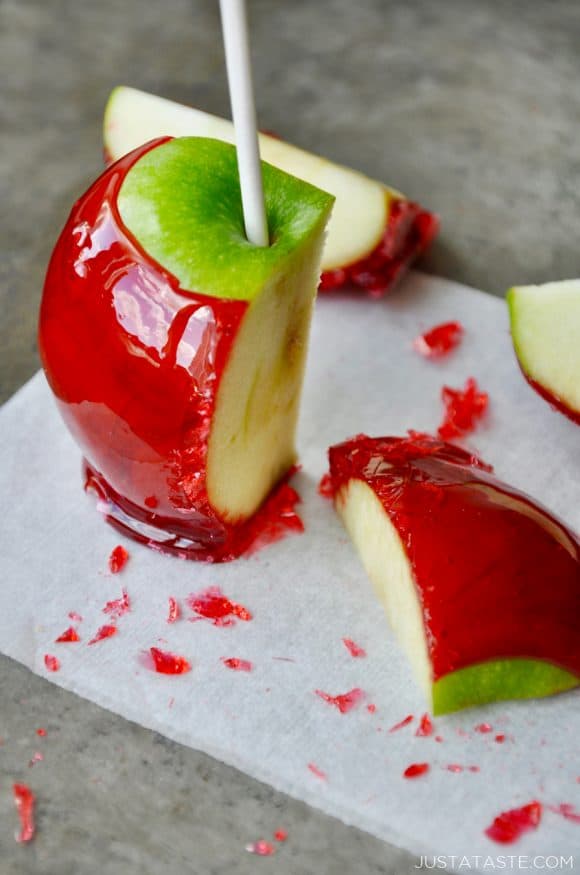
[
  {"x": 374, "y": 232},
  {"x": 176, "y": 348},
  {"x": 545, "y": 326},
  {"x": 480, "y": 584}
]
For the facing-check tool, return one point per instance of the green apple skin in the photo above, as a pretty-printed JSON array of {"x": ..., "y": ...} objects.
[{"x": 545, "y": 329}]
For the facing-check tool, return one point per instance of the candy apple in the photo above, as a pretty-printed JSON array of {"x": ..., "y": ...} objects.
[
  {"x": 176, "y": 348},
  {"x": 545, "y": 326},
  {"x": 374, "y": 233},
  {"x": 480, "y": 584}
]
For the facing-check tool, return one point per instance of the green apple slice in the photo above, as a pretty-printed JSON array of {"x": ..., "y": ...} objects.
[
  {"x": 360, "y": 213},
  {"x": 182, "y": 203},
  {"x": 545, "y": 327}
]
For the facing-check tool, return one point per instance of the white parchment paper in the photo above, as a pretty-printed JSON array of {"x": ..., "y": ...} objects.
[{"x": 307, "y": 593}]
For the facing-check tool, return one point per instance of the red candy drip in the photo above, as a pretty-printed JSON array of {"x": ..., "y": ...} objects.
[
  {"x": 104, "y": 632},
  {"x": 117, "y": 607},
  {"x": 69, "y": 635},
  {"x": 25, "y": 800},
  {"x": 237, "y": 664},
  {"x": 425, "y": 726},
  {"x": 51, "y": 662},
  {"x": 408, "y": 231},
  {"x": 344, "y": 702},
  {"x": 415, "y": 770},
  {"x": 118, "y": 559},
  {"x": 174, "y": 610},
  {"x": 405, "y": 722},
  {"x": 325, "y": 486},
  {"x": 355, "y": 651},
  {"x": 169, "y": 663},
  {"x": 463, "y": 409},
  {"x": 566, "y": 810},
  {"x": 318, "y": 773},
  {"x": 212, "y": 604},
  {"x": 440, "y": 340},
  {"x": 471, "y": 540},
  {"x": 510, "y": 825}
]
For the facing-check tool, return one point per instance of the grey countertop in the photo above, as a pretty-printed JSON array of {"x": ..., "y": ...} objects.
[{"x": 472, "y": 108}]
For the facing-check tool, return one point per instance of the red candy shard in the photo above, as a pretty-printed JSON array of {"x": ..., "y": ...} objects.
[
  {"x": 37, "y": 757},
  {"x": 344, "y": 702},
  {"x": 454, "y": 767},
  {"x": 280, "y": 835},
  {"x": 425, "y": 726},
  {"x": 415, "y": 770},
  {"x": 510, "y": 825},
  {"x": 371, "y": 708},
  {"x": 566, "y": 810},
  {"x": 42, "y": 732},
  {"x": 51, "y": 662},
  {"x": 174, "y": 610},
  {"x": 500, "y": 738},
  {"x": 463, "y": 409},
  {"x": 24, "y": 799},
  {"x": 104, "y": 632},
  {"x": 169, "y": 663},
  {"x": 325, "y": 486},
  {"x": 439, "y": 340},
  {"x": 76, "y": 618},
  {"x": 262, "y": 848},
  {"x": 404, "y": 722},
  {"x": 354, "y": 649},
  {"x": 117, "y": 607},
  {"x": 118, "y": 559},
  {"x": 237, "y": 664},
  {"x": 484, "y": 728},
  {"x": 212, "y": 604},
  {"x": 316, "y": 771},
  {"x": 69, "y": 635}
]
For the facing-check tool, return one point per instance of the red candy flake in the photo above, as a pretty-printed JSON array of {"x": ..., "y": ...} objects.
[
  {"x": 262, "y": 848},
  {"x": 454, "y": 767},
  {"x": 237, "y": 664},
  {"x": 463, "y": 408},
  {"x": 76, "y": 618},
  {"x": 24, "y": 799},
  {"x": 104, "y": 632},
  {"x": 325, "y": 486},
  {"x": 483, "y": 728},
  {"x": 174, "y": 610},
  {"x": 51, "y": 662},
  {"x": 42, "y": 732},
  {"x": 344, "y": 702},
  {"x": 500, "y": 738},
  {"x": 169, "y": 663},
  {"x": 425, "y": 726},
  {"x": 415, "y": 770},
  {"x": 212, "y": 604},
  {"x": 69, "y": 635},
  {"x": 354, "y": 649},
  {"x": 118, "y": 559},
  {"x": 566, "y": 810},
  {"x": 280, "y": 835},
  {"x": 37, "y": 757},
  {"x": 316, "y": 771},
  {"x": 510, "y": 825},
  {"x": 401, "y": 723},
  {"x": 439, "y": 340},
  {"x": 117, "y": 607}
]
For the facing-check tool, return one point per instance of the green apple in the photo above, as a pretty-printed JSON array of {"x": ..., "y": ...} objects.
[{"x": 545, "y": 327}]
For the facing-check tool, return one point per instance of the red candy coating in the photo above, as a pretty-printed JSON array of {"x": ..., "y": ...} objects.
[
  {"x": 510, "y": 825},
  {"x": 25, "y": 800},
  {"x": 439, "y": 340},
  {"x": 118, "y": 559},
  {"x": 415, "y": 770},
  {"x": 169, "y": 663},
  {"x": 463, "y": 409},
  {"x": 454, "y": 519},
  {"x": 69, "y": 634},
  {"x": 51, "y": 662},
  {"x": 344, "y": 702}
]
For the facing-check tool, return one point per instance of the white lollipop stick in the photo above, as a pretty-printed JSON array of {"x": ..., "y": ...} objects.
[{"x": 236, "y": 43}]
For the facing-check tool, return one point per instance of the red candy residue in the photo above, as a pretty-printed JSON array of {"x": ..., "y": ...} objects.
[
  {"x": 51, "y": 662},
  {"x": 463, "y": 409},
  {"x": 425, "y": 726},
  {"x": 484, "y": 728},
  {"x": 566, "y": 810},
  {"x": 104, "y": 632},
  {"x": 118, "y": 559},
  {"x": 325, "y": 486},
  {"x": 262, "y": 848},
  {"x": 70, "y": 634},
  {"x": 212, "y": 604},
  {"x": 24, "y": 799},
  {"x": 174, "y": 610},
  {"x": 510, "y": 825},
  {"x": 415, "y": 770},
  {"x": 354, "y": 649},
  {"x": 439, "y": 340},
  {"x": 344, "y": 702},
  {"x": 280, "y": 835},
  {"x": 237, "y": 664},
  {"x": 117, "y": 607},
  {"x": 404, "y": 722},
  {"x": 169, "y": 663},
  {"x": 316, "y": 771}
]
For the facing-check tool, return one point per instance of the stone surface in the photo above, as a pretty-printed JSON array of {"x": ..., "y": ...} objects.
[{"x": 472, "y": 108}]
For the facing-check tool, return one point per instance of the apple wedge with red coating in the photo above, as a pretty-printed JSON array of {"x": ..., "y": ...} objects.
[
  {"x": 374, "y": 233},
  {"x": 481, "y": 585},
  {"x": 545, "y": 327}
]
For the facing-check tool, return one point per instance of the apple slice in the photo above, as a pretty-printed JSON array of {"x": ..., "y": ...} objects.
[
  {"x": 480, "y": 584},
  {"x": 176, "y": 348},
  {"x": 374, "y": 232},
  {"x": 545, "y": 326}
]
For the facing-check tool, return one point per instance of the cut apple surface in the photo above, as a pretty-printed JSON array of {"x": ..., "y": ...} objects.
[
  {"x": 374, "y": 232},
  {"x": 545, "y": 327},
  {"x": 176, "y": 348},
  {"x": 480, "y": 584}
]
